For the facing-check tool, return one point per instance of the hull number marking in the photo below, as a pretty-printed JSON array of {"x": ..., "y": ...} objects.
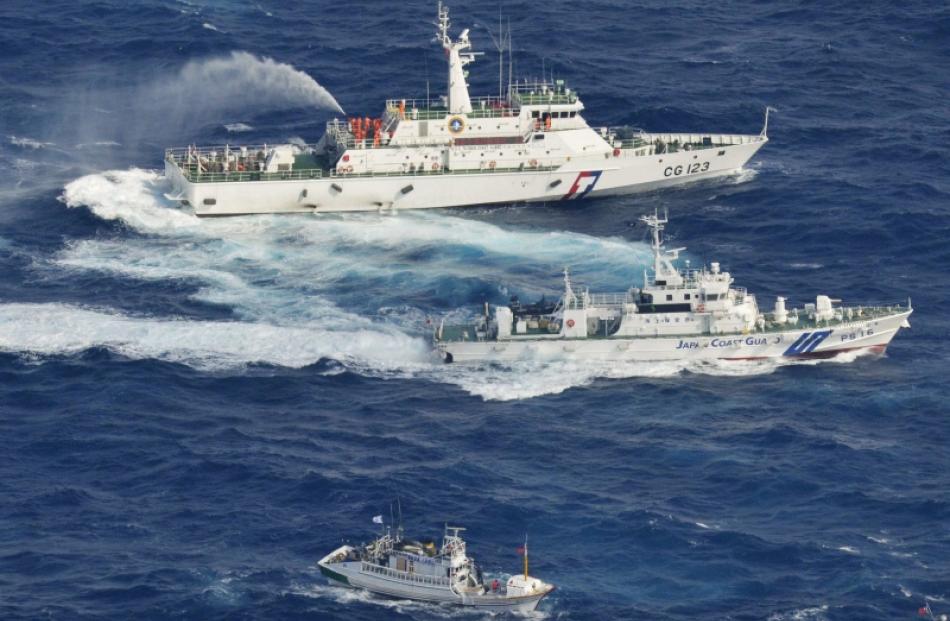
[{"x": 687, "y": 169}]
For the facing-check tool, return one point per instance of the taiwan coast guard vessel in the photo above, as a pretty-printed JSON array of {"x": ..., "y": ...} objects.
[
  {"x": 531, "y": 144},
  {"x": 405, "y": 569},
  {"x": 676, "y": 315}
]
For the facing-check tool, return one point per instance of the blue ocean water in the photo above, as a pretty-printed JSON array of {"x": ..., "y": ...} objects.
[{"x": 193, "y": 412}]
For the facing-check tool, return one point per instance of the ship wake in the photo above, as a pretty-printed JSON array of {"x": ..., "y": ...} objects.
[{"x": 363, "y": 290}]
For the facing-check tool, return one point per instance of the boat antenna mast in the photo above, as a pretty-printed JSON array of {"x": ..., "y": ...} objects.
[
  {"x": 501, "y": 43},
  {"x": 570, "y": 299},
  {"x": 663, "y": 268},
  {"x": 399, "y": 527},
  {"x": 459, "y": 54}
]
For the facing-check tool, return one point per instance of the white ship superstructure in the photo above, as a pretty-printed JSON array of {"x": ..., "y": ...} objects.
[
  {"x": 531, "y": 144},
  {"x": 405, "y": 569},
  {"x": 676, "y": 315}
]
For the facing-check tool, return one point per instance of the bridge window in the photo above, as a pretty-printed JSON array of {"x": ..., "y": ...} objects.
[
  {"x": 669, "y": 297},
  {"x": 685, "y": 296},
  {"x": 535, "y": 114}
]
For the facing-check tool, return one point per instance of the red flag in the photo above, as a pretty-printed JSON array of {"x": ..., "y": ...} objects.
[
  {"x": 521, "y": 550},
  {"x": 922, "y": 611}
]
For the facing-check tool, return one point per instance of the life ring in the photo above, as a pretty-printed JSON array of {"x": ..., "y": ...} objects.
[
  {"x": 436, "y": 166},
  {"x": 492, "y": 164},
  {"x": 533, "y": 163},
  {"x": 616, "y": 152},
  {"x": 570, "y": 323}
]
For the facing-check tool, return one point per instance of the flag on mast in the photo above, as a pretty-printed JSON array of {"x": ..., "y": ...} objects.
[{"x": 523, "y": 551}]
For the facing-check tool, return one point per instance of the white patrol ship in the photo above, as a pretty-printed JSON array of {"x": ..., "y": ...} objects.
[
  {"x": 529, "y": 145},
  {"x": 406, "y": 569},
  {"x": 676, "y": 315}
]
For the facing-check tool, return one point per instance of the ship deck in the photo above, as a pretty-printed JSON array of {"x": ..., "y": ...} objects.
[
  {"x": 306, "y": 166},
  {"x": 470, "y": 332}
]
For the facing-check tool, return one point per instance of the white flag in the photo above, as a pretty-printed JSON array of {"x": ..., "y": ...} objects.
[{"x": 377, "y": 519}]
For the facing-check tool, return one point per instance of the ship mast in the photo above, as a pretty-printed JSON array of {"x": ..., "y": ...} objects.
[
  {"x": 458, "y": 57},
  {"x": 664, "y": 272}
]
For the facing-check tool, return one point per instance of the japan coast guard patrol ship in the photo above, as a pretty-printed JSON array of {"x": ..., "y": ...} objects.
[
  {"x": 530, "y": 145},
  {"x": 406, "y": 569},
  {"x": 676, "y": 315}
]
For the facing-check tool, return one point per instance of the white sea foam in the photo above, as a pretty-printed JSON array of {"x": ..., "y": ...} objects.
[
  {"x": 60, "y": 329},
  {"x": 98, "y": 144},
  {"x": 350, "y": 597},
  {"x": 815, "y": 613},
  {"x": 28, "y": 143},
  {"x": 281, "y": 274},
  {"x": 132, "y": 196},
  {"x": 210, "y": 26},
  {"x": 743, "y": 175},
  {"x": 235, "y": 128}
]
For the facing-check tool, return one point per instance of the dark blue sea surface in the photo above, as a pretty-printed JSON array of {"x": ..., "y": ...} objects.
[{"x": 193, "y": 412}]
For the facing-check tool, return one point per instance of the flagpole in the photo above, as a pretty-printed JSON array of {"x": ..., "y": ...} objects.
[{"x": 526, "y": 556}]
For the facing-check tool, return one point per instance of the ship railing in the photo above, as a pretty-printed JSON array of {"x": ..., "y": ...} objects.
[
  {"x": 672, "y": 143},
  {"x": 543, "y": 92},
  {"x": 541, "y": 99},
  {"x": 350, "y": 142},
  {"x": 180, "y": 154},
  {"x": 610, "y": 299},
  {"x": 649, "y": 144},
  {"x": 195, "y": 176},
  {"x": 407, "y": 576},
  {"x": 444, "y": 171},
  {"x": 689, "y": 280},
  {"x": 221, "y": 163},
  {"x": 435, "y": 114}
]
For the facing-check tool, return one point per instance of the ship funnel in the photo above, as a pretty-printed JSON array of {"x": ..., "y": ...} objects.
[{"x": 780, "y": 314}]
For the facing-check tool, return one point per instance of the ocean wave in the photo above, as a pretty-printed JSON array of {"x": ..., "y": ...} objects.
[
  {"x": 28, "y": 143},
  {"x": 235, "y": 128},
  {"x": 61, "y": 329}
]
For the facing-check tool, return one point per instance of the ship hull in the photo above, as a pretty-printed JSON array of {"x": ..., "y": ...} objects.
[
  {"x": 578, "y": 178},
  {"x": 349, "y": 574},
  {"x": 873, "y": 334}
]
